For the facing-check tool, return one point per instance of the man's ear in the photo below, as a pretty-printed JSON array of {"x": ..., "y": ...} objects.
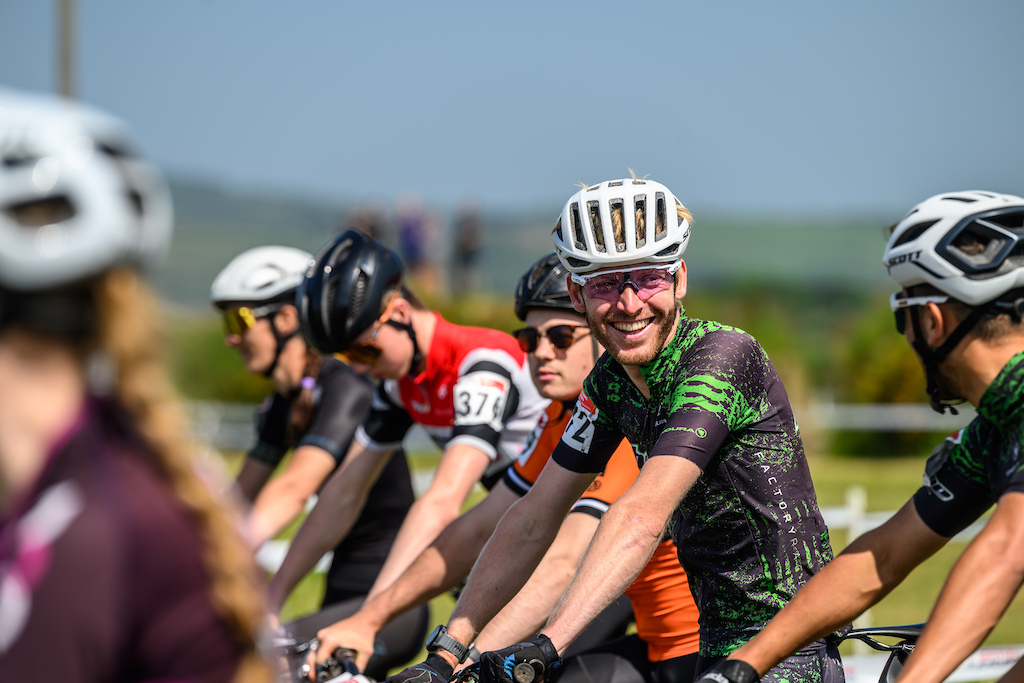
[
  {"x": 575, "y": 295},
  {"x": 400, "y": 310},
  {"x": 681, "y": 280},
  {"x": 936, "y": 324}
]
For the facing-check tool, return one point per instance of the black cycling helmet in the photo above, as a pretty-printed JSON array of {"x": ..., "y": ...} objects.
[
  {"x": 342, "y": 292},
  {"x": 543, "y": 286}
]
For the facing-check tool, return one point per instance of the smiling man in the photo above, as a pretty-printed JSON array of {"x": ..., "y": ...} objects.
[{"x": 721, "y": 461}]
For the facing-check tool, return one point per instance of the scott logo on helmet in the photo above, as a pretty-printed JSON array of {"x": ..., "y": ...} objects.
[{"x": 903, "y": 258}]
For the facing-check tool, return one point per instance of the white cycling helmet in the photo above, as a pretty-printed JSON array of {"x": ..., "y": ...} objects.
[
  {"x": 263, "y": 274},
  {"x": 969, "y": 245},
  {"x": 75, "y": 199},
  {"x": 586, "y": 238}
]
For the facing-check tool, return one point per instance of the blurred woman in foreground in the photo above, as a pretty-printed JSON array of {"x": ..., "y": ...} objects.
[{"x": 116, "y": 563}]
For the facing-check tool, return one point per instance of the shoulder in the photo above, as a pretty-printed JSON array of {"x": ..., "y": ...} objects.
[
  {"x": 709, "y": 335},
  {"x": 335, "y": 376},
  {"x": 461, "y": 347},
  {"x": 706, "y": 347}
]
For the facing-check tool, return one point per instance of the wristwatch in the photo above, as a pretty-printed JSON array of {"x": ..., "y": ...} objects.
[{"x": 440, "y": 640}]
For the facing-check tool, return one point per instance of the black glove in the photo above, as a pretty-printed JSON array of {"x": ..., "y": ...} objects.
[
  {"x": 433, "y": 670},
  {"x": 527, "y": 662},
  {"x": 730, "y": 671}
]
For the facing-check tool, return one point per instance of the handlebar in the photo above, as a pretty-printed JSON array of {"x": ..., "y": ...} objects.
[
  {"x": 341, "y": 662},
  {"x": 898, "y": 652}
]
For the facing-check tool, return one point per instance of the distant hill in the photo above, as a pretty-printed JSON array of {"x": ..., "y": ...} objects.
[{"x": 214, "y": 223}]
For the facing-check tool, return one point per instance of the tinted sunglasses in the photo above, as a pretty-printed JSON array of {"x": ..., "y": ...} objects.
[
  {"x": 238, "y": 320},
  {"x": 645, "y": 280},
  {"x": 560, "y": 336},
  {"x": 899, "y": 305},
  {"x": 368, "y": 352}
]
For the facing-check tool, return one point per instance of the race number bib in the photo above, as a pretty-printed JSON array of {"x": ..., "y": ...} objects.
[
  {"x": 532, "y": 440},
  {"x": 480, "y": 399},
  {"x": 579, "y": 433}
]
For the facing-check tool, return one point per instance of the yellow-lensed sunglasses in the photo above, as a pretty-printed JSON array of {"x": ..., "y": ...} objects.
[{"x": 238, "y": 320}]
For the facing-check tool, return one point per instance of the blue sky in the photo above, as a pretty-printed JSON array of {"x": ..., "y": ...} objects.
[{"x": 794, "y": 106}]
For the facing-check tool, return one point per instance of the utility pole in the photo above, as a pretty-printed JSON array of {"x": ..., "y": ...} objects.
[{"x": 66, "y": 62}]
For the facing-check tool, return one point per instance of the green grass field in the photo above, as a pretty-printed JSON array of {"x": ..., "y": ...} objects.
[{"x": 889, "y": 484}]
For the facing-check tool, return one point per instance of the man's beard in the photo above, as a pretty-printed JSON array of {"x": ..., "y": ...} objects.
[
  {"x": 662, "y": 335},
  {"x": 948, "y": 384}
]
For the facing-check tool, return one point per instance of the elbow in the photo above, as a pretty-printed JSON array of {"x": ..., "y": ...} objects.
[
  {"x": 640, "y": 528},
  {"x": 562, "y": 569},
  {"x": 443, "y": 510}
]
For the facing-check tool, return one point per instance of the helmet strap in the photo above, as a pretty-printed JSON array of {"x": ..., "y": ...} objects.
[
  {"x": 931, "y": 358},
  {"x": 282, "y": 339},
  {"x": 417, "y": 355}
]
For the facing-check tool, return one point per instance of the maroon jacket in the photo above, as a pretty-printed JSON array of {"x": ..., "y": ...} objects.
[{"x": 101, "y": 575}]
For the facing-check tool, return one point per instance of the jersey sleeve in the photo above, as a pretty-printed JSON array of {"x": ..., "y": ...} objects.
[
  {"x": 388, "y": 421},
  {"x": 590, "y": 438},
  {"x": 344, "y": 404},
  {"x": 271, "y": 431},
  {"x": 485, "y": 398},
  {"x": 954, "y": 493},
  {"x": 618, "y": 475},
  {"x": 725, "y": 394}
]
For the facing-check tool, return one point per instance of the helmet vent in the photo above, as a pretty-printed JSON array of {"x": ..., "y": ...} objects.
[
  {"x": 40, "y": 212},
  {"x": 640, "y": 202},
  {"x": 20, "y": 160},
  {"x": 615, "y": 183},
  {"x": 358, "y": 292},
  {"x": 330, "y": 298},
  {"x": 594, "y": 210},
  {"x": 558, "y": 229},
  {"x": 661, "y": 218},
  {"x": 965, "y": 200},
  {"x": 576, "y": 228},
  {"x": 913, "y": 232},
  {"x": 669, "y": 250},
  {"x": 1010, "y": 220},
  {"x": 112, "y": 151},
  {"x": 135, "y": 199},
  {"x": 577, "y": 263}
]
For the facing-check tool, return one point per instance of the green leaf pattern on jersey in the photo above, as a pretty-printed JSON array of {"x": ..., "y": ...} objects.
[
  {"x": 749, "y": 532},
  {"x": 987, "y": 454}
]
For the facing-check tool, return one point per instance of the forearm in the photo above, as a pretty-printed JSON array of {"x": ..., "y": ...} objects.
[
  {"x": 442, "y": 565},
  {"x": 504, "y": 566},
  {"x": 460, "y": 468},
  {"x": 979, "y": 589},
  {"x": 277, "y": 505},
  {"x": 624, "y": 542},
  {"x": 532, "y": 606}
]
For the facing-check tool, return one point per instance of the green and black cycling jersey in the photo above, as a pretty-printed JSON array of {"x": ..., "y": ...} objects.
[
  {"x": 974, "y": 467},
  {"x": 749, "y": 533}
]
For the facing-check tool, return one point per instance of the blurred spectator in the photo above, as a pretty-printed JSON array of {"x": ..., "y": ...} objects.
[
  {"x": 371, "y": 220},
  {"x": 468, "y": 241},
  {"x": 117, "y": 562}
]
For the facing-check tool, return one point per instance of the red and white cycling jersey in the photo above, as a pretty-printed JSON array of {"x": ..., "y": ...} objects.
[
  {"x": 475, "y": 389},
  {"x": 666, "y": 615}
]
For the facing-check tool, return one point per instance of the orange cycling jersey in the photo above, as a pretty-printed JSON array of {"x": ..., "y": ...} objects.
[{"x": 666, "y": 616}]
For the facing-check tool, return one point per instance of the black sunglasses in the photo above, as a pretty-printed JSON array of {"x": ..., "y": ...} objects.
[
  {"x": 560, "y": 336},
  {"x": 899, "y": 304}
]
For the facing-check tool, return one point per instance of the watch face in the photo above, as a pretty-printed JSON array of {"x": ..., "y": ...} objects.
[{"x": 434, "y": 634}]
